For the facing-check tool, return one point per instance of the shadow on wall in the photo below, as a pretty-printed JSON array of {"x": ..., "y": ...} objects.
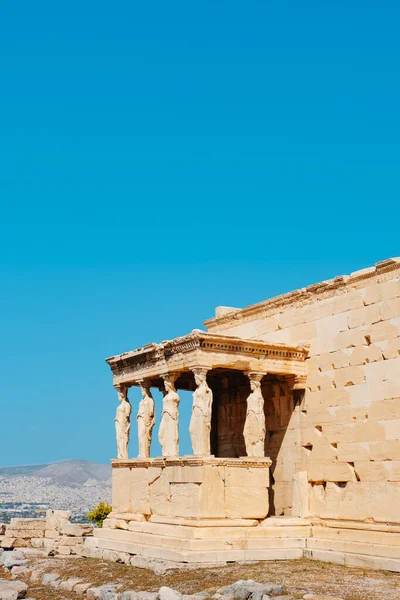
[
  {"x": 280, "y": 443},
  {"x": 231, "y": 390}
]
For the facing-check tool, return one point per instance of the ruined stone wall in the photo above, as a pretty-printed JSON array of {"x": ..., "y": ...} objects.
[
  {"x": 345, "y": 432},
  {"x": 54, "y": 534}
]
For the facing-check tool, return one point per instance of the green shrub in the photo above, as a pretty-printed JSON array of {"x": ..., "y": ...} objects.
[{"x": 100, "y": 513}]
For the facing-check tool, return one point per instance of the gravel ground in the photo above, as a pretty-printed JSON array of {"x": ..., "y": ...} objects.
[{"x": 298, "y": 578}]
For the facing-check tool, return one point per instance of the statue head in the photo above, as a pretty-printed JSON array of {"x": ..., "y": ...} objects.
[
  {"x": 255, "y": 380},
  {"x": 144, "y": 388},
  {"x": 200, "y": 376},
  {"x": 255, "y": 385},
  {"x": 122, "y": 392},
  {"x": 169, "y": 383}
]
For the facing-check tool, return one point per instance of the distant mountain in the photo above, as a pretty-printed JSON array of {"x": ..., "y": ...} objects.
[
  {"x": 71, "y": 473},
  {"x": 20, "y": 470}
]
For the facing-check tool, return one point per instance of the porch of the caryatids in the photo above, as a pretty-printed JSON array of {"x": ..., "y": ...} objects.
[
  {"x": 254, "y": 427},
  {"x": 123, "y": 422},
  {"x": 168, "y": 434},
  {"x": 200, "y": 422},
  {"x": 145, "y": 419}
]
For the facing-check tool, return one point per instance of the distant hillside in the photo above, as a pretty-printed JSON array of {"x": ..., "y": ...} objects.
[
  {"x": 72, "y": 473},
  {"x": 20, "y": 470}
]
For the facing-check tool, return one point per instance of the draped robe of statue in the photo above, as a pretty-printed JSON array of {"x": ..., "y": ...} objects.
[
  {"x": 145, "y": 420},
  {"x": 254, "y": 428},
  {"x": 200, "y": 422},
  {"x": 168, "y": 434},
  {"x": 123, "y": 423}
]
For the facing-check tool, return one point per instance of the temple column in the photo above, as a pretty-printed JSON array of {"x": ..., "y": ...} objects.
[
  {"x": 200, "y": 422},
  {"x": 254, "y": 427},
  {"x": 123, "y": 422},
  {"x": 168, "y": 434},
  {"x": 145, "y": 419}
]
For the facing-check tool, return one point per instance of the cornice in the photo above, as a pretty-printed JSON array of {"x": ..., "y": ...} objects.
[
  {"x": 161, "y": 354},
  {"x": 192, "y": 461},
  {"x": 382, "y": 271}
]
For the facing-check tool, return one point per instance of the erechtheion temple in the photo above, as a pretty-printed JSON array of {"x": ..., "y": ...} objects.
[{"x": 295, "y": 431}]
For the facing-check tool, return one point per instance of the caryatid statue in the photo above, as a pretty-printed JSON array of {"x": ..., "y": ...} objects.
[
  {"x": 200, "y": 422},
  {"x": 145, "y": 420},
  {"x": 168, "y": 434},
  {"x": 254, "y": 427},
  {"x": 123, "y": 422}
]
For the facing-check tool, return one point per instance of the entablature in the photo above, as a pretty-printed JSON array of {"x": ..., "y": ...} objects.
[{"x": 200, "y": 349}]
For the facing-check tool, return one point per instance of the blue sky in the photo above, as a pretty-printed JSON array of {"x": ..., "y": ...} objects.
[{"x": 158, "y": 159}]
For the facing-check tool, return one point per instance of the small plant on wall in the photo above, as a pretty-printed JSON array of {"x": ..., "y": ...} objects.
[{"x": 99, "y": 513}]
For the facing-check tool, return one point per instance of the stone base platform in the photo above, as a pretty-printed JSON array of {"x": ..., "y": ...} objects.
[
  {"x": 276, "y": 538},
  {"x": 192, "y": 487},
  {"x": 366, "y": 545},
  {"x": 205, "y": 542}
]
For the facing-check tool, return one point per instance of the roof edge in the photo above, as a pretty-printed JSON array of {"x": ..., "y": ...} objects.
[{"x": 304, "y": 295}]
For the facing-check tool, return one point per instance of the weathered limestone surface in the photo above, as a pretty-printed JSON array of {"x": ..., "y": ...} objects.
[
  {"x": 145, "y": 420},
  {"x": 200, "y": 423},
  {"x": 254, "y": 427},
  {"x": 353, "y": 543},
  {"x": 55, "y": 533},
  {"x": 196, "y": 487},
  {"x": 344, "y": 432},
  {"x": 123, "y": 422},
  {"x": 168, "y": 434},
  {"x": 324, "y": 405}
]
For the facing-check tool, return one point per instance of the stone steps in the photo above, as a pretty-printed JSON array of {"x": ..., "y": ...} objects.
[
  {"x": 354, "y": 560},
  {"x": 357, "y": 535},
  {"x": 379, "y": 550},
  {"x": 355, "y": 547},
  {"x": 217, "y": 544},
  {"x": 195, "y": 532},
  {"x": 192, "y": 556}
]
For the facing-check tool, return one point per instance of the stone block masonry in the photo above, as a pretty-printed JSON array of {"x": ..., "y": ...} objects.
[
  {"x": 55, "y": 533},
  {"x": 308, "y": 382},
  {"x": 295, "y": 430},
  {"x": 344, "y": 430}
]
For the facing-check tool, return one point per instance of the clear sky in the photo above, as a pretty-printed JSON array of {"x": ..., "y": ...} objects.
[{"x": 158, "y": 159}]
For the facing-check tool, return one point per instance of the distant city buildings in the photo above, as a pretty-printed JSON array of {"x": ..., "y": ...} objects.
[{"x": 24, "y": 496}]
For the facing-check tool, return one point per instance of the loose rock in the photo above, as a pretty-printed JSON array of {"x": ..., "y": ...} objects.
[
  {"x": 242, "y": 590},
  {"x": 12, "y": 590},
  {"x": 20, "y": 572},
  {"x": 108, "y": 594},
  {"x": 104, "y": 592},
  {"x": 129, "y": 595},
  {"x": 147, "y": 595},
  {"x": 14, "y": 558},
  {"x": 81, "y": 588},
  {"x": 49, "y": 577},
  {"x": 93, "y": 592},
  {"x": 167, "y": 593},
  {"x": 8, "y": 594},
  {"x": 69, "y": 584}
]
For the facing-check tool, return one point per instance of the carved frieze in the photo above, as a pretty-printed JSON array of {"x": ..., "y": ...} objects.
[
  {"x": 206, "y": 350},
  {"x": 193, "y": 461}
]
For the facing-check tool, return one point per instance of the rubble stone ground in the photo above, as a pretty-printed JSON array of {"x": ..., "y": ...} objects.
[{"x": 300, "y": 579}]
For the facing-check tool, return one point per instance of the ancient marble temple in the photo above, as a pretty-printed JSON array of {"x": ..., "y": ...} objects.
[{"x": 295, "y": 432}]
